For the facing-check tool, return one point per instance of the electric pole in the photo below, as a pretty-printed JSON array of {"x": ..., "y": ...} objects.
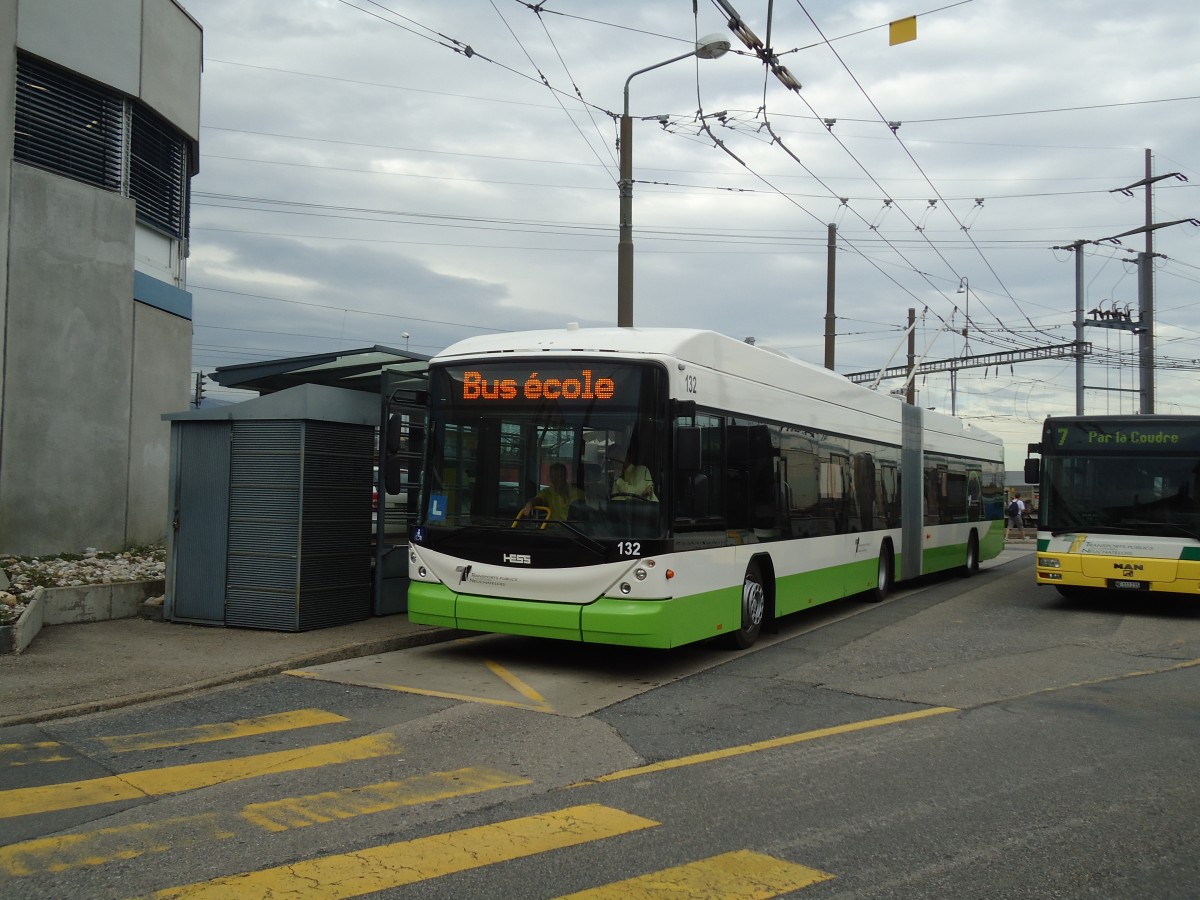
[
  {"x": 1145, "y": 264},
  {"x": 830, "y": 318}
]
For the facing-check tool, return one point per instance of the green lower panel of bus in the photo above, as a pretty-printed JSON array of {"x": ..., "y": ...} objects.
[
  {"x": 663, "y": 623},
  {"x": 630, "y": 623},
  {"x": 992, "y": 542},
  {"x": 938, "y": 559},
  {"x": 796, "y": 592},
  {"x": 436, "y": 604}
]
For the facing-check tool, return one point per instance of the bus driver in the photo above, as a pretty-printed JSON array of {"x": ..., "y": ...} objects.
[{"x": 628, "y": 478}]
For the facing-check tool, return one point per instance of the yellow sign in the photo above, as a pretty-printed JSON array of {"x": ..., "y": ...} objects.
[{"x": 902, "y": 31}]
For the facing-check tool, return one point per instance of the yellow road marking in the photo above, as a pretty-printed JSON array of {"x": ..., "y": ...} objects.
[
  {"x": 298, "y": 812},
  {"x": 222, "y": 731},
  {"x": 105, "y": 845},
  {"x": 741, "y": 875},
  {"x": 32, "y": 753},
  {"x": 516, "y": 683},
  {"x": 424, "y": 692},
  {"x": 407, "y": 862},
  {"x": 773, "y": 743},
  {"x": 95, "y": 848},
  {"x": 175, "y": 779},
  {"x": 1186, "y": 664}
]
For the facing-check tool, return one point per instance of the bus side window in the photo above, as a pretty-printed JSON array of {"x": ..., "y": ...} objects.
[{"x": 698, "y": 491}]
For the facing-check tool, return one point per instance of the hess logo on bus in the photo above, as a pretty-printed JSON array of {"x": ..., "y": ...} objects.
[
  {"x": 522, "y": 559},
  {"x": 477, "y": 387}
]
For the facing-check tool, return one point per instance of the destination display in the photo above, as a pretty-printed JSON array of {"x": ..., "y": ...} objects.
[
  {"x": 512, "y": 384},
  {"x": 1109, "y": 437}
]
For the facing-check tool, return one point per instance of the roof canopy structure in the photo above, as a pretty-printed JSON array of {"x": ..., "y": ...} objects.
[{"x": 358, "y": 370}]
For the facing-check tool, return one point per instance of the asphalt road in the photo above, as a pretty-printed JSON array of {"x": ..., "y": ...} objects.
[{"x": 977, "y": 737}]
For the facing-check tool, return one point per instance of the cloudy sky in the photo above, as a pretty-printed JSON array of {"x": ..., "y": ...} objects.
[{"x": 442, "y": 169}]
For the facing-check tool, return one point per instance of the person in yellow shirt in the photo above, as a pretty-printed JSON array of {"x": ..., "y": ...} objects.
[
  {"x": 557, "y": 497},
  {"x": 629, "y": 478}
]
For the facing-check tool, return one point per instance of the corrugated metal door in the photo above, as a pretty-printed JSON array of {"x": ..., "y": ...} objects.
[
  {"x": 202, "y": 513},
  {"x": 299, "y": 525},
  {"x": 335, "y": 540},
  {"x": 264, "y": 525}
]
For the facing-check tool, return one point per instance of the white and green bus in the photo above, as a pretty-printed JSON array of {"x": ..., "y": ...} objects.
[{"x": 774, "y": 486}]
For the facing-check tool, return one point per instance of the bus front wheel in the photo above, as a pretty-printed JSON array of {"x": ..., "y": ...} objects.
[{"x": 753, "y": 608}]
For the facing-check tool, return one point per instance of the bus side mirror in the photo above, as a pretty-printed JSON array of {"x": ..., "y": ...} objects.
[
  {"x": 1033, "y": 471},
  {"x": 687, "y": 449}
]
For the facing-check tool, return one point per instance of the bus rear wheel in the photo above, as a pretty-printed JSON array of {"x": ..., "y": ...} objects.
[
  {"x": 971, "y": 566},
  {"x": 753, "y": 609},
  {"x": 884, "y": 575}
]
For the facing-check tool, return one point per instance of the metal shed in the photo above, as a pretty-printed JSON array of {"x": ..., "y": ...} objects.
[
  {"x": 396, "y": 379},
  {"x": 271, "y": 510}
]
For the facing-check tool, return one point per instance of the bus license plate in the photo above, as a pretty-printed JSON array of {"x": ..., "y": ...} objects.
[{"x": 1124, "y": 585}]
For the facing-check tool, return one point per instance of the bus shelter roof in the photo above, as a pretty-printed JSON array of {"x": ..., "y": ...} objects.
[{"x": 360, "y": 370}]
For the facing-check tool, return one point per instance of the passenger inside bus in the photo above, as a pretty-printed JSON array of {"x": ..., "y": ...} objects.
[
  {"x": 629, "y": 479},
  {"x": 557, "y": 497}
]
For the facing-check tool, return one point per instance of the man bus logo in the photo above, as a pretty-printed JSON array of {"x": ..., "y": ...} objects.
[
  {"x": 1127, "y": 568},
  {"x": 520, "y": 558}
]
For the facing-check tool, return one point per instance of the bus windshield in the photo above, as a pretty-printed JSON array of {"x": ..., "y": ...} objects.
[
  {"x": 550, "y": 449},
  {"x": 1136, "y": 493}
]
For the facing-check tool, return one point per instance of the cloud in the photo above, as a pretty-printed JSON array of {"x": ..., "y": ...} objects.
[{"x": 370, "y": 176}]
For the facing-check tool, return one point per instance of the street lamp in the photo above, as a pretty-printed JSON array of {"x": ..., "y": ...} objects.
[
  {"x": 709, "y": 47},
  {"x": 406, "y": 336}
]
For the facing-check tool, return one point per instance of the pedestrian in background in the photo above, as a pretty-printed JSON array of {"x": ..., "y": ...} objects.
[{"x": 1016, "y": 516}]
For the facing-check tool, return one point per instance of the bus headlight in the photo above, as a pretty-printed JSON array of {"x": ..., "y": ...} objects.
[
  {"x": 1049, "y": 562},
  {"x": 640, "y": 574},
  {"x": 625, "y": 587}
]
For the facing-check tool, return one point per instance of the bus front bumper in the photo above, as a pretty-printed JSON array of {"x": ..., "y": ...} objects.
[{"x": 606, "y": 620}]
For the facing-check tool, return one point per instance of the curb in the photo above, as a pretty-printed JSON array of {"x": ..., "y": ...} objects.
[
  {"x": 333, "y": 654},
  {"x": 16, "y": 637},
  {"x": 78, "y": 604}
]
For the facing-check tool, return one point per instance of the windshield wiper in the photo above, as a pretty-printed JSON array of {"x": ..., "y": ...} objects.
[
  {"x": 1136, "y": 527},
  {"x": 1093, "y": 529},
  {"x": 1166, "y": 526},
  {"x": 586, "y": 540}
]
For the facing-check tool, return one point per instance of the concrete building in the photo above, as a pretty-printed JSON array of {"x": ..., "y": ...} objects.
[{"x": 100, "y": 113}]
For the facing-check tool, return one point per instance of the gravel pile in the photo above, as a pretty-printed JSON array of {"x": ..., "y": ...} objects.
[{"x": 25, "y": 573}]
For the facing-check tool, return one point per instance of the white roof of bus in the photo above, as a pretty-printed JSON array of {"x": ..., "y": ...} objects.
[
  {"x": 688, "y": 344},
  {"x": 704, "y": 348}
]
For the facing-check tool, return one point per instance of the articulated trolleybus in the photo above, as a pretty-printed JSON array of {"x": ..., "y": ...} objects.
[
  {"x": 654, "y": 487},
  {"x": 1120, "y": 503}
]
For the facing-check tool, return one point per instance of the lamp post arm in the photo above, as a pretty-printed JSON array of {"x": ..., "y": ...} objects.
[
  {"x": 665, "y": 62},
  {"x": 709, "y": 47}
]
